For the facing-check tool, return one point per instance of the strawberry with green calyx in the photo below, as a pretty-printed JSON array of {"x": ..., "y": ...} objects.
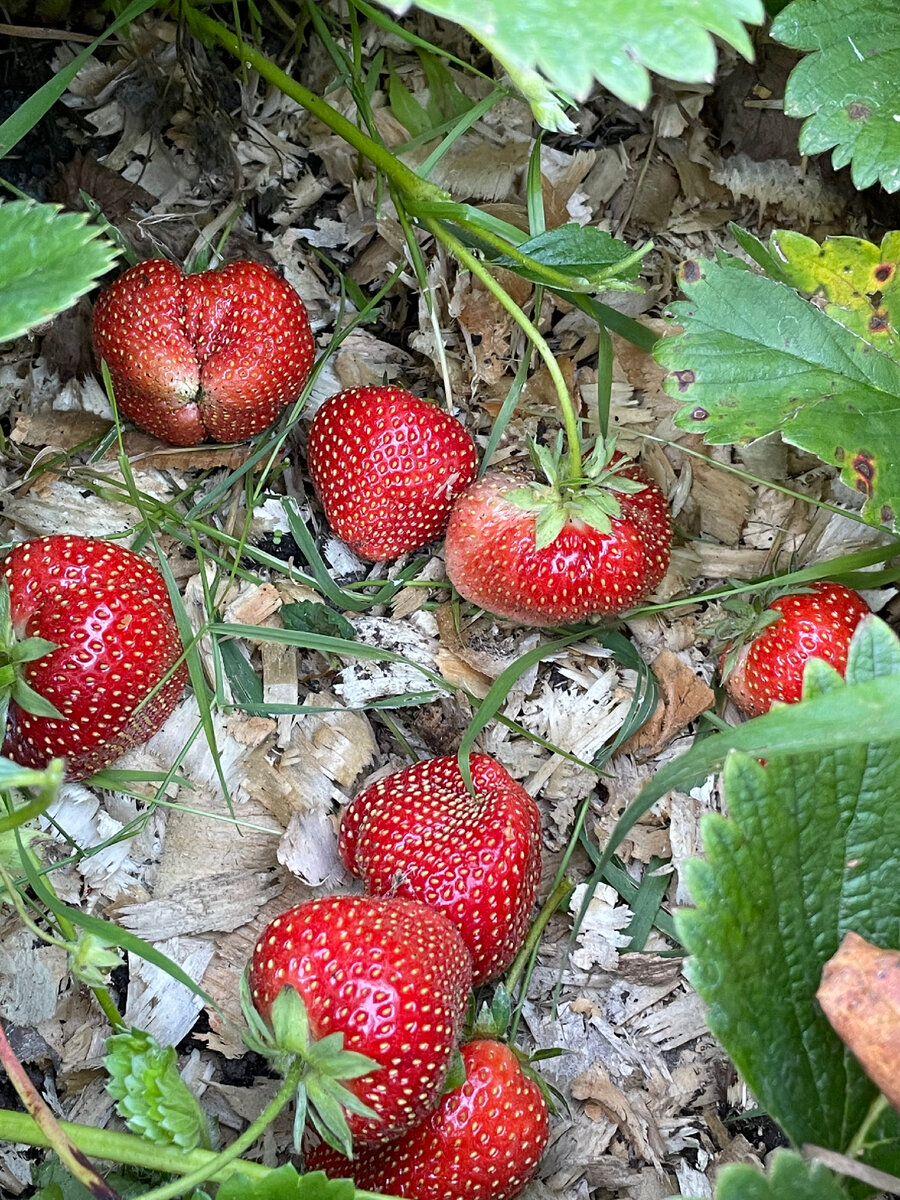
[
  {"x": 484, "y": 1140},
  {"x": 90, "y": 654},
  {"x": 475, "y": 856},
  {"x": 212, "y": 355},
  {"x": 565, "y": 550},
  {"x": 773, "y": 636},
  {"x": 386, "y": 466},
  {"x": 323, "y": 1097},
  {"x": 385, "y": 978}
]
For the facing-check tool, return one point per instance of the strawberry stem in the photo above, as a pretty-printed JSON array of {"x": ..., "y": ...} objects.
[
  {"x": 411, "y": 184},
  {"x": 133, "y": 1151},
  {"x": 459, "y": 251}
]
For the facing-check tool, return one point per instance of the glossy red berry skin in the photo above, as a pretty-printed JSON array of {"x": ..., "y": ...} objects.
[
  {"x": 492, "y": 558},
  {"x": 477, "y": 859},
  {"x": 818, "y": 623},
  {"x": 483, "y": 1142},
  {"x": 108, "y": 611},
  {"x": 393, "y": 976},
  {"x": 211, "y": 356},
  {"x": 386, "y": 467}
]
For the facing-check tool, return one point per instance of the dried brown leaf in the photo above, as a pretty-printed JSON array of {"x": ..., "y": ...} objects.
[
  {"x": 683, "y": 697},
  {"x": 860, "y": 996}
]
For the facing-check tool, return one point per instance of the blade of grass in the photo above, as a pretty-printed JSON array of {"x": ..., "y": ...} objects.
[{"x": 28, "y": 114}]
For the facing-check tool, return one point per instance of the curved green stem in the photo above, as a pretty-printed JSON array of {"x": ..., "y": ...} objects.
[
  {"x": 531, "y": 331},
  {"x": 877, "y": 1108},
  {"x": 411, "y": 184},
  {"x": 554, "y": 901}
]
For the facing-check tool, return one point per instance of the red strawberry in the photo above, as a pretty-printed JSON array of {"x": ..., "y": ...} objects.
[
  {"x": 108, "y": 613},
  {"x": 477, "y": 859},
  {"x": 561, "y": 552},
  {"x": 213, "y": 355},
  {"x": 393, "y": 976},
  {"x": 483, "y": 1141},
  {"x": 778, "y": 640},
  {"x": 386, "y": 467}
]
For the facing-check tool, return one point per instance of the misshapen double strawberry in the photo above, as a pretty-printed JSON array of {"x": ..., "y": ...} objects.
[
  {"x": 476, "y": 858},
  {"x": 108, "y": 638},
  {"x": 215, "y": 355},
  {"x": 386, "y": 467}
]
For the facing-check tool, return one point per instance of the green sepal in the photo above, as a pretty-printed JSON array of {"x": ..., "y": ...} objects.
[
  {"x": 330, "y": 1058},
  {"x": 258, "y": 1036},
  {"x": 92, "y": 959},
  {"x": 456, "y": 1076},
  {"x": 326, "y": 1115},
  {"x": 290, "y": 1022},
  {"x": 546, "y": 461},
  {"x": 30, "y": 649},
  {"x": 13, "y": 653},
  {"x": 549, "y": 522},
  {"x": 33, "y": 702},
  {"x": 492, "y": 1019},
  {"x": 596, "y": 508}
]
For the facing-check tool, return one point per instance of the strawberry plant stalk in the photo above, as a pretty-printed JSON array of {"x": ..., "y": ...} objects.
[
  {"x": 471, "y": 263},
  {"x": 128, "y": 1150},
  {"x": 68, "y": 1154}
]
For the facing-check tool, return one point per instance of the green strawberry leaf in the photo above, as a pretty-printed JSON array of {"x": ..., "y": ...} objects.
[
  {"x": 849, "y": 86},
  {"x": 48, "y": 259},
  {"x": 285, "y": 1184},
  {"x": 756, "y": 357},
  {"x": 808, "y": 852},
  {"x": 789, "y": 1177},
  {"x": 310, "y": 616},
  {"x": 593, "y": 258},
  {"x": 55, "y": 1182},
  {"x": 552, "y": 49},
  {"x": 151, "y": 1097}
]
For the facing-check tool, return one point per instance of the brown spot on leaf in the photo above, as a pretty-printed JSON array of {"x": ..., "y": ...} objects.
[
  {"x": 887, "y": 514},
  {"x": 857, "y": 111},
  {"x": 864, "y": 466},
  {"x": 883, "y": 272},
  {"x": 699, "y": 414},
  {"x": 839, "y": 454},
  {"x": 879, "y": 322},
  {"x": 685, "y": 379},
  {"x": 690, "y": 271}
]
